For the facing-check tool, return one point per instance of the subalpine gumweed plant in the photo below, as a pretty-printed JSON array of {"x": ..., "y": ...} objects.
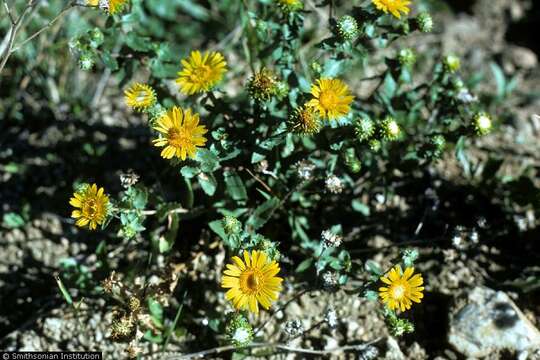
[{"x": 283, "y": 132}]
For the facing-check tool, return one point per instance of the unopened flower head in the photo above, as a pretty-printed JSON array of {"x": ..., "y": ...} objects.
[
  {"x": 407, "y": 57},
  {"x": 180, "y": 134},
  {"x": 91, "y": 206},
  {"x": 305, "y": 121},
  {"x": 289, "y": 6},
  {"x": 438, "y": 142},
  {"x": 402, "y": 288},
  {"x": 252, "y": 281},
  {"x": 424, "y": 22},
  {"x": 374, "y": 145},
  {"x": 347, "y": 28},
  {"x": 140, "y": 96},
  {"x": 263, "y": 85},
  {"x": 231, "y": 225},
  {"x": 482, "y": 123},
  {"x": 395, "y": 7},
  {"x": 451, "y": 63},
  {"x": 364, "y": 129},
  {"x": 390, "y": 129},
  {"x": 330, "y": 239},
  {"x": 201, "y": 72},
  {"x": 331, "y": 98},
  {"x": 305, "y": 169},
  {"x": 238, "y": 330},
  {"x": 334, "y": 184}
]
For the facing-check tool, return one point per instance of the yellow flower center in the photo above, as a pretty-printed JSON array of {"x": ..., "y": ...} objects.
[
  {"x": 201, "y": 74},
  {"x": 328, "y": 99},
  {"x": 250, "y": 281},
  {"x": 141, "y": 96},
  {"x": 398, "y": 291},
  {"x": 178, "y": 137},
  {"x": 90, "y": 208}
]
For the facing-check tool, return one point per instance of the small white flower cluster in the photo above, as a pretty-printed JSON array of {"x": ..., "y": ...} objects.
[
  {"x": 463, "y": 238},
  {"x": 293, "y": 328},
  {"x": 330, "y": 239},
  {"x": 305, "y": 169},
  {"x": 334, "y": 184},
  {"x": 329, "y": 279},
  {"x": 331, "y": 317}
]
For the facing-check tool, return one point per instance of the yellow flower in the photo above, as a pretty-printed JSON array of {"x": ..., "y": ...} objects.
[
  {"x": 181, "y": 133},
  {"x": 252, "y": 281},
  {"x": 140, "y": 96},
  {"x": 403, "y": 288},
  {"x": 115, "y": 6},
  {"x": 393, "y": 6},
  {"x": 290, "y": 5},
  {"x": 332, "y": 98},
  {"x": 92, "y": 2},
  {"x": 201, "y": 72},
  {"x": 91, "y": 206}
]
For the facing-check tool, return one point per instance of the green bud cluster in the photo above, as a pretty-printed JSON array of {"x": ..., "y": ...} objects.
[
  {"x": 407, "y": 57},
  {"x": 238, "y": 330},
  {"x": 424, "y": 22},
  {"x": 347, "y": 28}
]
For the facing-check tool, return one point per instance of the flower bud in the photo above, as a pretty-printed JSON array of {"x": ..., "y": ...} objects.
[
  {"x": 407, "y": 57},
  {"x": 238, "y": 330},
  {"x": 289, "y": 6},
  {"x": 424, "y": 22},
  {"x": 390, "y": 129},
  {"x": 347, "y": 28},
  {"x": 482, "y": 123},
  {"x": 231, "y": 225},
  {"x": 451, "y": 63},
  {"x": 364, "y": 129},
  {"x": 262, "y": 86},
  {"x": 305, "y": 121}
]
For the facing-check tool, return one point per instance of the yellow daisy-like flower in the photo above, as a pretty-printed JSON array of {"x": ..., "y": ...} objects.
[
  {"x": 180, "y": 133},
  {"x": 402, "y": 289},
  {"x": 91, "y": 206},
  {"x": 140, "y": 96},
  {"x": 395, "y": 7},
  {"x": 201, "y": 72},
  {"x": 332, "y": 98},
  {"x": 115, "y": 6},
  {"x": 252, "y": 281},
  {"x": 92, "y": 2},
  {"x": 290, "y": 5}
]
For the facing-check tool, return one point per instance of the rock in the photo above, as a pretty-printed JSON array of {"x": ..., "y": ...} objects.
[
  {"x": 393, "y": 351},
  {"x": 488, "y": 322}
]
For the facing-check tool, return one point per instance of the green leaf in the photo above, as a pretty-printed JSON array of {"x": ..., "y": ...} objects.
[
  {"x": 217, "y": 227},
  {"x": 64, "y": 291},
  {"x": 360, "y": 207},
  {"x": 190, "y": 171},
  {"x": 167, "y": 242},
  {"x": 208, "y": 160},
  {"x": 235, "y": 186},
  {"x": 500, "y": 79},
  {"x": 389, "y": 87},
  {"x": 208, "y": 183},
  {"x": 304, "y": 265},
  {"x": 12, "y": 220},
  {"x": 156, "y": 312},
  {"x": 138, "y": 42},
  {"x": 263, "y": 213},
  {"x": 109, "y": 61}
]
